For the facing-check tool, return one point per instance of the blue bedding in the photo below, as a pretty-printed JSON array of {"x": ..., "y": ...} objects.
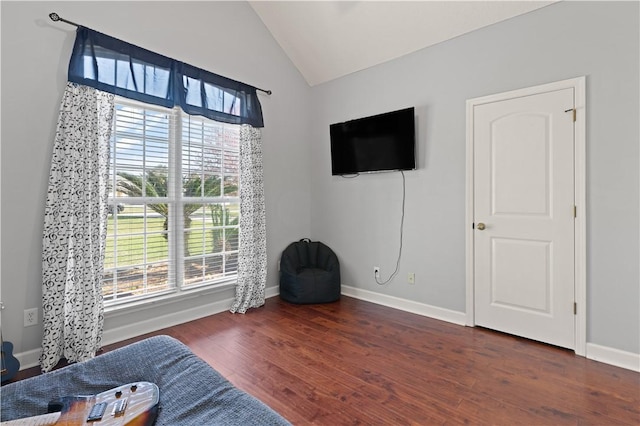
[{"x": 191, "y": 392}]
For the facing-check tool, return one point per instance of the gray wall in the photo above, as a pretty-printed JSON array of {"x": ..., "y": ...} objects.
[
  {"x": 360, "y": 217},
  {"x": 226, "y": 38}
]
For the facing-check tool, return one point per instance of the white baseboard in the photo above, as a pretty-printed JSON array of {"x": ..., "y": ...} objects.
[
  {"x": 604, "y": 354},
  {"x": 150, "y": 325},
  {"x": 607, "y": 355},
  {"x": 423, "y": 309},
  {"x": 174, "y": 318},
  {"x": 31, "y": 358}
]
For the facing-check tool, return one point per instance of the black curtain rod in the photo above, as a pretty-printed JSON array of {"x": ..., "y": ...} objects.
[{"x": 55, "y": 17}]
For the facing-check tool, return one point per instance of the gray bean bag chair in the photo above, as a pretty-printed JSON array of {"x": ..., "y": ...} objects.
[{"x": 309, "y": 273}]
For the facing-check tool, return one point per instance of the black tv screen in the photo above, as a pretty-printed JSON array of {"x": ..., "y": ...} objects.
[{"x": 378, "y": 143}]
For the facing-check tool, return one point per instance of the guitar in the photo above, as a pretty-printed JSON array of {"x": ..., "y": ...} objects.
[
  {"x": 133, "y": 404},
  {"x": 10, "y": 365}
]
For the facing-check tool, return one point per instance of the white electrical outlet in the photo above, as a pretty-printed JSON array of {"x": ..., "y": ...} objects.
[
  {"x": 411, "y": 278},
  {"x": 30, "y": 317},
  {"x": 376, "y": 271}
]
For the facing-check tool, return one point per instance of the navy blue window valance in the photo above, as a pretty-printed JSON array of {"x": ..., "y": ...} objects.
[{"x": 118, "y": 67}]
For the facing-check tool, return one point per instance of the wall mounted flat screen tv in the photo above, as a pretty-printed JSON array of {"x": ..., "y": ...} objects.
[{"x": 378, "y": 143}]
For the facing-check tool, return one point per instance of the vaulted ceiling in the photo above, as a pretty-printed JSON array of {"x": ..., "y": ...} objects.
[{"x": 329, "y": 39}]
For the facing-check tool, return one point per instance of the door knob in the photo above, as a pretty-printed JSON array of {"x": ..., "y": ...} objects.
[{"x": 480, "y": 226}]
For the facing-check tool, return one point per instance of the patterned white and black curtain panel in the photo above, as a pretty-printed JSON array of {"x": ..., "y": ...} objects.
[
  {"x": 252, "y": 261},
  {"x": 75, "y": 226}
]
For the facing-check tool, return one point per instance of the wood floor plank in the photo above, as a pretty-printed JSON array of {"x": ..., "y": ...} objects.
[{"x": 358, "y": 363}]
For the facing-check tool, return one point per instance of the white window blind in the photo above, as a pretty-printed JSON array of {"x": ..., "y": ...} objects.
[{"x": 173, "y": 202}]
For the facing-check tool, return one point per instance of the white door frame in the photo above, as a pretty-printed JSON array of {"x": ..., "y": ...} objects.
[{"x": 580, "y": 261}]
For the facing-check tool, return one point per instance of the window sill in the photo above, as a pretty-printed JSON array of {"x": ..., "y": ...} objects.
[{"x": 167, "y": 298}]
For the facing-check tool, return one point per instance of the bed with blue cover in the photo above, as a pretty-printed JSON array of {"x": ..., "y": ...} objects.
[{"x": 191, "y": 391}]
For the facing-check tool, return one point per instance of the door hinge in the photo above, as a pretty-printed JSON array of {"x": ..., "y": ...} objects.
[
  {"x": 574, "y": 113},
  {"x": 575, "y": 308},
  {"x": 575, "y": 211}
]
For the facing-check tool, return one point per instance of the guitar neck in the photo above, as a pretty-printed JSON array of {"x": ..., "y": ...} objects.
[{"x": 43, "y": 420}]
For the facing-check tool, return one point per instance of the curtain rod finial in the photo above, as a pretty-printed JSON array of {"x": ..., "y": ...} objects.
[{"x": 55, "y": 18}]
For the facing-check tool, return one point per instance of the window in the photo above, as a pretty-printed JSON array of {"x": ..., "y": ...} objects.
[{"x": 173, "y": 202}]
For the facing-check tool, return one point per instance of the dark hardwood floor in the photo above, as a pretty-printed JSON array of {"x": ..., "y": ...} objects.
[{"x": 354, "y": 362}]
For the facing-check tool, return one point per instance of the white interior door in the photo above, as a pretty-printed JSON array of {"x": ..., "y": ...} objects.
[{"x": 524, "y": 209}]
